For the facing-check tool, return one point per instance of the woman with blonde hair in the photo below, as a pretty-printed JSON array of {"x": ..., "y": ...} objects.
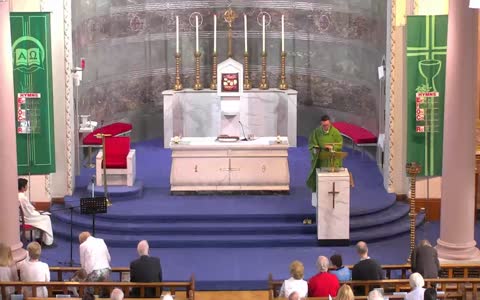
[
  {"x": 33, "y": 270},
  {"x": 296, "y": 282},
  {"x": 8, "y": 270},
  {"x": 345, "y": 293}
]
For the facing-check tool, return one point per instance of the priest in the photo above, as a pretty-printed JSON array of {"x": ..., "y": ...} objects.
[
  {"x": 323, "y": 138},
  {"x": 40, "y": 220}
]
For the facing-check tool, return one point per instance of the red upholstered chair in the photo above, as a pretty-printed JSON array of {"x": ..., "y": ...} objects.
[{"x": 120, "y": 162}]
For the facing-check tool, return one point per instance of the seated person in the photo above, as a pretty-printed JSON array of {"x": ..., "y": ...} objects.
[
  {"x": 296, "y": 282},
  {"x": 8, "y": 270},
  {"x": 430, "y": 294},
  {"x": 416, "y": 283},
  {"x": 32, "y": 269},
  {"x": 345, "y": 293},
  {"x": 33, "y": 217},
  {"x": 146, "y": 268},
  {"x": 323, "y": 284},
  {"x": 342, "y": 272}
]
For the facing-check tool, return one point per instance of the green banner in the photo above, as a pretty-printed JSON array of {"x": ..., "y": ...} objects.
[
  {"x": 426, "y": 61},
  {"x": 32, "y": 75}
]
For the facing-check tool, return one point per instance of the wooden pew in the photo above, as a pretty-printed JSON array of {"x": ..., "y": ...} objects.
[
  {"x": 454, "y": 288},
  {"x": 62, "y": 287}
]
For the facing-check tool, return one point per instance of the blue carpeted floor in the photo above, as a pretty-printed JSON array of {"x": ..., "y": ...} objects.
[{"x": 232, "y": 241}]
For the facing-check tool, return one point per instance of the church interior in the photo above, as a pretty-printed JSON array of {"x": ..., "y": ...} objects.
[{"x": 237, "y": 138}]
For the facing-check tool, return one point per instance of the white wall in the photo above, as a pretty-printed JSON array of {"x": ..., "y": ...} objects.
[{"x": 59, "y": 183}]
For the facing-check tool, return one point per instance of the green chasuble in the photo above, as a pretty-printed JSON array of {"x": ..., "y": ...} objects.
[{"x": 318, "y": 139}]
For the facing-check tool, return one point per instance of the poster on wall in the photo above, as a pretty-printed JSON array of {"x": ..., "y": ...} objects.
[
  {"x": 32, "y": 78},
  {"x": 426, "y": 61}
]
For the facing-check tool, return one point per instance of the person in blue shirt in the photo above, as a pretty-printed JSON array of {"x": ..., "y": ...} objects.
[{"x": 342, "y": 272}]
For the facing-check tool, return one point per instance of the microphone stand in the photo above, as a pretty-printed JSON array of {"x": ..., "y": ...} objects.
[{"x": 71, "y": 262}]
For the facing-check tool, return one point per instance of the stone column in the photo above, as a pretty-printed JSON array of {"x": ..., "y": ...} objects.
[
  {"x": 9, "y": 226},
  {"x": 456, "y": 240}
]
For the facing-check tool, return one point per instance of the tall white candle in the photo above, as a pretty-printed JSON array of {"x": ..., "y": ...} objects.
[
  {"x": 196, "y": 33},
  {"x": 263, "y": 33},
  {"x": 214, "y": 33},
  {"x": 178, "y": 34},
  {"x": 245, "y": 35},
  {"x": 283, "y": 33}
]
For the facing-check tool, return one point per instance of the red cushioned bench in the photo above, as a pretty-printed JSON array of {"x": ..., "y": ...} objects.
[
  {"x": 114, "y": 129},
  {"x": 359, "y": 135}
]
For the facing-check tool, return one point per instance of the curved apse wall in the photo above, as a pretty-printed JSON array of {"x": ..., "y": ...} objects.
[{"x": 334, "y": 48}]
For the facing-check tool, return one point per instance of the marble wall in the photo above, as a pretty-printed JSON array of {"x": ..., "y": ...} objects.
[{"x": 333, "y": 46}]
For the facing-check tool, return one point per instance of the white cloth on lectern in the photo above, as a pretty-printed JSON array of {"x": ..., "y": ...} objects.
[{"x": 36, "y": 219}]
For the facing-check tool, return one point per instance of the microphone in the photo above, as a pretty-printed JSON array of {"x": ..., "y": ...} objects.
[{"x": 243, "y": 131}]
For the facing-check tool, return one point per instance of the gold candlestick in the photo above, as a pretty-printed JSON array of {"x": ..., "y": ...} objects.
[
  {"x": 198, "y": 85},
  {"x": 263, "y": 81},
  {"x": 413, "y": 169},
  {"x": 283, "y": 83},
  {"x": 230, "y": 17},
  {"x": 213, "y": 84},
  {"x": 178, "y": 82},
  {"x": 247, "y": 85}
]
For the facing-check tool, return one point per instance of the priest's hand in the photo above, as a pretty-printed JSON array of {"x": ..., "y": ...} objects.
[{"x": 329, "y": 147}]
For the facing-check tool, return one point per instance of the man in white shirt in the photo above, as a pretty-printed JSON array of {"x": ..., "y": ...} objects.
[
  {"x": 94, "y": 257},
  {"x": 32, "y": 269},
  {"x": 32, "y": 216}
]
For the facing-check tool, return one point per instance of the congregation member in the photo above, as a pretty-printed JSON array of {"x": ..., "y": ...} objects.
[
  {"x": 425, "y": 260},
  {"x": 343, "y": 273},
  {"x": 146, "y": 268},
  {"x": 8, "y": 270},
  {"x": 430, "y": 294},
  {"x": 39, "y": 220},
  {"x": 294, "y": 296},
  {"x": 295, "y": 283},
  {"x": 323, "y": 284},
  {"x": 117, "y": 294},
  {"x": 375, "y": 295},
  {"x": 94, "y": 258},
  {"x": 416, "y": 283},
  {"x": 366, "y": 269},
  {"x": 33, "y": 270},
  {"x": 324, "y": 138},
  {"x": 345, "y": 293}
]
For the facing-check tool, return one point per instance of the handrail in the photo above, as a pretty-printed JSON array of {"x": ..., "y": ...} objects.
[{"x": 172, "y": 287}]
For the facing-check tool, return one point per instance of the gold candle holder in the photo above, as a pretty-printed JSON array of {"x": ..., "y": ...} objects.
[
  {"x": 283, "y": 83},
  {"x": 198, "y": 85},
  {"x": 178, "y": 82},
  {"x": 247, "y": 85},
  {"x": 213, "y": 84},
  {"x": 413, "y": 169},
  {"x": 264, "y": 81}
]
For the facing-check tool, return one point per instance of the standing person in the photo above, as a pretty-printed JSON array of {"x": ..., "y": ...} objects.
[
  {"x": 323, "y": 138},
  {"x": 8, "y": 270},
  {"x": 323, "y": 284},
  {"x": 40, "y": 220},
  {"x": 32, "y": 269},
  {"x": 94, "y": 258},
  {"x": 366, "y": 269},
  {"x": 425, "y": 260},
  {"x": 343, "y": 273},
  {"x": 295, "y": 283},
  {"x": 146, "y": 268}
]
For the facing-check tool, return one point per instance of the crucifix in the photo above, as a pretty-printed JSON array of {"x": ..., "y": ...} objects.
[
  {"x": 229, "y": 17},
  {"x": 333, "y": 192}
]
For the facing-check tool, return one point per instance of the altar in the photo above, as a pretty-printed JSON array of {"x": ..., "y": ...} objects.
[
  {"x": 205, "y": 164},
  {"x": 193, "y": 113}
]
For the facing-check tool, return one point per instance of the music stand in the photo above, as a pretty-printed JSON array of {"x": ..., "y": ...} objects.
[
  {"x": 332, "y": 157},
  {"x": 93, "y": 206}
]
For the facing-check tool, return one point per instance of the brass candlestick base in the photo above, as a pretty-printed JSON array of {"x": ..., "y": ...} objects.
[
  {"x": 213, "y": 84},
  {"x": 178, "y": 83},
  {"x": 247, "y": 85},
  {"x": 264, "y": 81},
  {"x": 283, "y": 83},
  {"x": 413, "y": 169},
  {"x": 198, "y": 85}
]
